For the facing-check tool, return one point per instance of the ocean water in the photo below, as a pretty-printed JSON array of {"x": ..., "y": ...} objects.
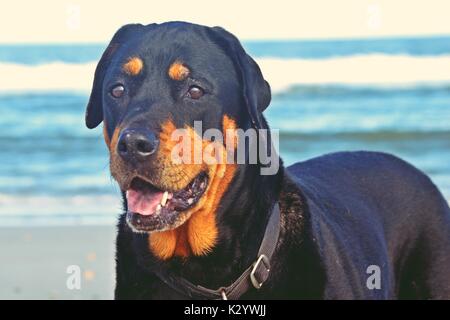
[{"x": 389, "y": 95}]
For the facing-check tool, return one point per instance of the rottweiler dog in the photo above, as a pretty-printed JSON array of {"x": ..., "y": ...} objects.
[{"x": 349, "y": 225}]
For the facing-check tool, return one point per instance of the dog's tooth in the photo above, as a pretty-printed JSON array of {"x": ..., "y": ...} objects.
[
  {"x": 170, "y": 196},
  {"x": 190, "y": 200},
  {"x": 158, "y": 208},
  {"x": 202, "y": 185},
  {"x": 164, "y": 198}
]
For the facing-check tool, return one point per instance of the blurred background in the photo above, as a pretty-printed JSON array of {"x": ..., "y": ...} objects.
[{"x": 358, "y": 75}]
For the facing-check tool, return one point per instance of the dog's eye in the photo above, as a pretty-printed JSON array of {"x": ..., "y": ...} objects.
[
  {"x": 117, "y": 91},
  {"x": 195, "y": 92}
]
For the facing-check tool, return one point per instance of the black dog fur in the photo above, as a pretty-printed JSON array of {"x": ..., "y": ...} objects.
[{"x": 340, "y": 213}]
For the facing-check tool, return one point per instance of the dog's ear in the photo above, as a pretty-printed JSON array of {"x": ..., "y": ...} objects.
[
  {"x": 94, "y": 109},
  {"x": 256, "y": 90}
]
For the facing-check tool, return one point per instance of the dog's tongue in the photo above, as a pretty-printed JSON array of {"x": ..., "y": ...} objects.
[{"x": 143, "y": 202}]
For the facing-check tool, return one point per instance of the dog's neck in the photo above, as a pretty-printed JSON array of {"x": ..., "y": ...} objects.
[{"x": 246, "y": 213}]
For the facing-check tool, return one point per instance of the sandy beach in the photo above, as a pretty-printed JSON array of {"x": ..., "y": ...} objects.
[{"x": 34, "y": 262}]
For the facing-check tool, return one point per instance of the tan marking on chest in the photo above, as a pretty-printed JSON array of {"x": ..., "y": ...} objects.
[{"x": 198, "y": 235}]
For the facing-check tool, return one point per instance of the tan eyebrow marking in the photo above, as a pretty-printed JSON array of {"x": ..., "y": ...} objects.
[
  {"x": 178, "y": 71},
  {"x": 133, "y": 66}
]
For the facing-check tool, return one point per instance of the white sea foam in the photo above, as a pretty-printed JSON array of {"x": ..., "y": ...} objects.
[
  {"x": 36, "y": 209},
  {"x": 56, "y": 76},
  {"x": 384, "y": 70},
  {"x": 375, "y": 69}
]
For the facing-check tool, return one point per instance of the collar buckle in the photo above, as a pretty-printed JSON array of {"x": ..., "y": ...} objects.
[{"x": 261, "y": 268}]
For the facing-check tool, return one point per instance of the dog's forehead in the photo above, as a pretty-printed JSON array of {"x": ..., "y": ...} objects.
[{"x": 160, "y": 48}]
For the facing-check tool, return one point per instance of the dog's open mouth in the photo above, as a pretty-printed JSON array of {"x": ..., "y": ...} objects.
[{"x": 153, "y": 209}]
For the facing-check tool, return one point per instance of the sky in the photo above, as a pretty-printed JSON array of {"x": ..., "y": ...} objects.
[{"x": 62, "y": 21}]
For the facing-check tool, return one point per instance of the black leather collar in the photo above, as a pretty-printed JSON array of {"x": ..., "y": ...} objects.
[{"x": 253, "y": 277}]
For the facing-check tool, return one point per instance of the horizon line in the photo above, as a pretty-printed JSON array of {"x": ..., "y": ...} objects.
[{"x": 250, "y": 40}]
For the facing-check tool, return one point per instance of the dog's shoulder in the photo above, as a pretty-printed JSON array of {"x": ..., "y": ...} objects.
[
  {"x": 366, "y": 190},
  {"x": 355, "y": 203}
]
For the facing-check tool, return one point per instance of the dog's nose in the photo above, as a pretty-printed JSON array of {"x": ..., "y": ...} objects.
[{"x": 137, "y": 144}]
